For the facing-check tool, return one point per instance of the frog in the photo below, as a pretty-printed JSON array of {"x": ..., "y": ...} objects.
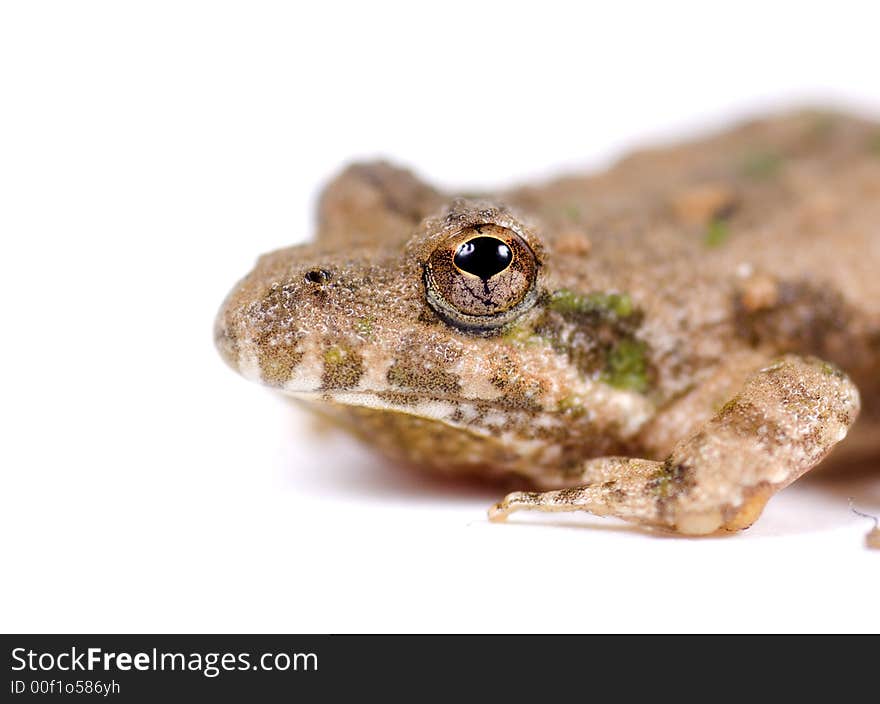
[{"x": 670, "y": 341}]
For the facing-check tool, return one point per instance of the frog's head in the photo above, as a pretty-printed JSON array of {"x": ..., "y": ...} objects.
[{"x": 448, "y": 346}]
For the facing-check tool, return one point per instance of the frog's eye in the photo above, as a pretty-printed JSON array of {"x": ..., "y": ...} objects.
[{"x": 481, "y": 278}]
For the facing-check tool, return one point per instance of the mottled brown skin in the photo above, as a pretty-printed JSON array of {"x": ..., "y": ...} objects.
[{"x": 674, "y": 341}]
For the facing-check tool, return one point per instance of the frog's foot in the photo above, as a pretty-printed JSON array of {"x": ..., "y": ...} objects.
[{"x": 784, "y": 420}]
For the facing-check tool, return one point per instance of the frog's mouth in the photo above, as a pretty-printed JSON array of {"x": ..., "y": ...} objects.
[{"x": 492, "y": 415}]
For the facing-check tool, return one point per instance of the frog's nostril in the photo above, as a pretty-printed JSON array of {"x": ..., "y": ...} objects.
[{"x": 318, "y": 276}]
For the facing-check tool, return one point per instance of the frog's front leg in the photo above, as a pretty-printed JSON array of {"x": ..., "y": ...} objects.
[{"x": 782, "y": 422}]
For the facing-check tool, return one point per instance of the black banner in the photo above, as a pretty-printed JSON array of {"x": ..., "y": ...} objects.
[{"x": 169, "y": 668}]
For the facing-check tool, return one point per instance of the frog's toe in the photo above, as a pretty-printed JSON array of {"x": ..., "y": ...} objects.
[{"x": 514, "y": 502}]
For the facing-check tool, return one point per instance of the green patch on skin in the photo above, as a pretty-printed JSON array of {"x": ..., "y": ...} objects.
[
  {"x": 669, "y": 480},
  {"x": 334, "y": 355},
  {"x": 517, "y": 334},
  {"x": 875, "y": 144},
  {"x": 343, "y": 368},
  {"x": 661, "y": 484},
  {"x": 571, "y": 406},
  {"x": 572, "y": 212},
  {"x": 761, "y": 165},
  {"x": 830, "y": 369},
  {"x": 277, "y": 363},
  {"x": 728, "y": 407},
  {"x": 364, "y": 326},
  {"x": 522, "y": 335},
  {"x": 626, "y": 366},
  {"x": 570, "y": 303},
  {"x": 717, "y": 233},
  {"x": 597, "y": 332},
  {"x": 565, "y": 301}
]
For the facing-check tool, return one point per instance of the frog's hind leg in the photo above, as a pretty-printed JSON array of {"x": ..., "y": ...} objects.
[{"x": 784, "y": 420}]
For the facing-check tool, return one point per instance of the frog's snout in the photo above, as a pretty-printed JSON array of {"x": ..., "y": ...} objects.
[
  {"x": 225, "y": 340},
  {"x": 260, "y": 330},
  {"x": 302, "y": 327}
]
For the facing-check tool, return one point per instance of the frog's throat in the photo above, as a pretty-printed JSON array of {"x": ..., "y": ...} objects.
[{"x": 453, "y": 410}]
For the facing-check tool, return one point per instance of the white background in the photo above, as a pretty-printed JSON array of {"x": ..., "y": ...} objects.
[{"x": 149, "y": 151}]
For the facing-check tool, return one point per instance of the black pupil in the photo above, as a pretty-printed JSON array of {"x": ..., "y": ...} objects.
[{"x": 483, "y": 257}]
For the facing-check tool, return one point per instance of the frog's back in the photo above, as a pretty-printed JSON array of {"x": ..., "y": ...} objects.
[{"x": 766, "y": 235}]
